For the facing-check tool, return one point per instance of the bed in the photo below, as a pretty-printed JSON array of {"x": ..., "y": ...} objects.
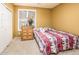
[{"x": 53, "y": 41}]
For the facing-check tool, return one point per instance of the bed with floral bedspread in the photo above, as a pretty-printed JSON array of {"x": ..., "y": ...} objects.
[{"x": 53, "y": 41}]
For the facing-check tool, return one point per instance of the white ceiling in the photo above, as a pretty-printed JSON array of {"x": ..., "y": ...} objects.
[{"x": 41, "y": 5}]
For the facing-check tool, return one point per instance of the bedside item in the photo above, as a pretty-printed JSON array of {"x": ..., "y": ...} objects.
[{"x": 26, "y": 33}]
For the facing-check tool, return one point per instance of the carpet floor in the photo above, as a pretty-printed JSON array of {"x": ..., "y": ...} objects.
[{"x": 18, "y": 47}]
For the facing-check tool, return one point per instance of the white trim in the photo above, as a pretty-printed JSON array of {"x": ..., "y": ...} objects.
[
  {"x": 18, "y": 21},
  {"x": 27, "y": 15}
]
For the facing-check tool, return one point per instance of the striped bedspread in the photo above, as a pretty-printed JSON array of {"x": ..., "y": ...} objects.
[{"x": 54, "y": 41}]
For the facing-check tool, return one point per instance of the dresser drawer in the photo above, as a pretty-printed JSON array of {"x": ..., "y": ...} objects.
[
  {"x": 30, "y": 34},
  {"x": 24, "y": 34},
  {"x": 30, "y": 30},
  {"x": 30, "y": 37},
  {"x": 25, "y": 37}
]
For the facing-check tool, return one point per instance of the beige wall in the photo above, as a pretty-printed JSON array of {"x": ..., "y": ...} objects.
[
  {"x": 65, "y": 17},
  {"x": 10, "y": 6},
  {"x": 43, "y": 17}
]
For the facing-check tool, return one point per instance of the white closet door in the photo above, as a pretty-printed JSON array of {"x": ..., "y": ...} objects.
[{"x": 5, "y": 27}]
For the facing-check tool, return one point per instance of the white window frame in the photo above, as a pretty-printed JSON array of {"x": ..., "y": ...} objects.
[{"x": 27, "y": 15}]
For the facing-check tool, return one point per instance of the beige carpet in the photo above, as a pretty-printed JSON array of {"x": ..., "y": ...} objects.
[
  {"x": 17, "y": 46},
  {"x": 29, "y": 47}
]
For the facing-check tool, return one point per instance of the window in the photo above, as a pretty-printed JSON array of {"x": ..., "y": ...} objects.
[{"x": 26, "y": 17}]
